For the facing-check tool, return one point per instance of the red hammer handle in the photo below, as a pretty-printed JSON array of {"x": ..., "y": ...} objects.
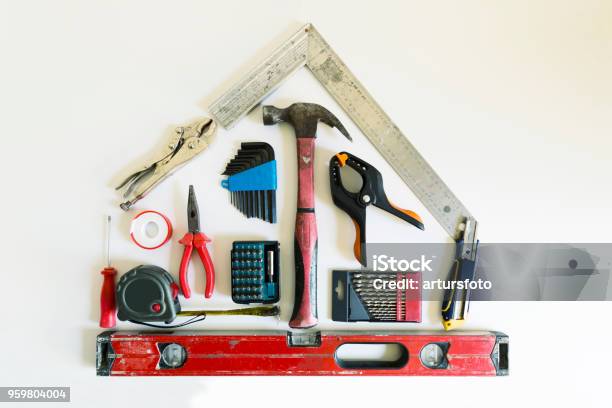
[
  {"x": 305, "y": 245},
  {"x": 108, "y": 306},
  {"x": 305, "y": 159}
]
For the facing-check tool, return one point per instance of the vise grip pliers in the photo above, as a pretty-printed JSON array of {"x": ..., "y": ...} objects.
[
  {"x": 186, "y": 143},
  {"x": 371, "y": 192}
]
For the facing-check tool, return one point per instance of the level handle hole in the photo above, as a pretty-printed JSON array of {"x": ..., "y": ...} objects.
[{"x": 371, "y": 355}]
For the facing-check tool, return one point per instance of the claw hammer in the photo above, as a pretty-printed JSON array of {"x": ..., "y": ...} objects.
[{"x": 304, "y": 117}]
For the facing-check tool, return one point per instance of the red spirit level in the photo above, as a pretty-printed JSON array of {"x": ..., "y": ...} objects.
[{"x": 278, "y": 353}]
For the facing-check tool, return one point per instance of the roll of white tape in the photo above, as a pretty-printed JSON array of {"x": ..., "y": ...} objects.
[{"x": 150, "y": 229}]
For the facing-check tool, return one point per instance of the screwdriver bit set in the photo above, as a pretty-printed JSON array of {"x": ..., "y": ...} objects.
[
  {"x": 252, "y": 181},
  {"x": 255, "y": 272},
  {"x": 367, "y": 296}
]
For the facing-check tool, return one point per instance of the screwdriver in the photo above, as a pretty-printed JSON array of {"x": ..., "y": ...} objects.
[{"x": 108, "y": 306}]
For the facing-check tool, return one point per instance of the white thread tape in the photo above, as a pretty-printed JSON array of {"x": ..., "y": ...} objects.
[{"x": 150, "y": 229}]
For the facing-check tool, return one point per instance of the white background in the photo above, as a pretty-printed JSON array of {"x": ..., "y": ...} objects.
[{"x": 510, "y": 102}]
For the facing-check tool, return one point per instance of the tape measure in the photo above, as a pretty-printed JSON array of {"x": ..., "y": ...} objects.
[{"x": 147, "y": 293}]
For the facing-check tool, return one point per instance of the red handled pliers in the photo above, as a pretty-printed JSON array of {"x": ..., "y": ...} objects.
[{"x": 195, "y": 238}]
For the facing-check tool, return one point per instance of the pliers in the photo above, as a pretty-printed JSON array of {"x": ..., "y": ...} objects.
[
  {"x": 186, "y": 143},
  {"x": 355, "y": 204},
  {"x": 195, "y": 239}
]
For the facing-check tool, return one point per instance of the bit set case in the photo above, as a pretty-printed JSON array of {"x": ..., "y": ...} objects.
[{"x": 255, "y": 270}]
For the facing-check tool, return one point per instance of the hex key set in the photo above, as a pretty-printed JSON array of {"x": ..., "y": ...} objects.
[{"x": 252, "y": 181}]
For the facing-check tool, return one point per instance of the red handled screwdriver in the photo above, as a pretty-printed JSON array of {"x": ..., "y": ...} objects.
[{"x": 108, "y": 306}]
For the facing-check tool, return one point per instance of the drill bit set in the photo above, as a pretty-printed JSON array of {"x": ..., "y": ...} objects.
[
  {"x": 252, "y": 181},
  {"x": 365, "y": 296}
]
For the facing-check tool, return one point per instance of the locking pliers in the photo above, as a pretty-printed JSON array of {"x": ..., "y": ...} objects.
[{"x": 187, "y": 142}]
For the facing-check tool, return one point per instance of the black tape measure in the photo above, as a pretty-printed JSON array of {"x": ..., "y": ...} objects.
[{"x": 147, "y": 293}]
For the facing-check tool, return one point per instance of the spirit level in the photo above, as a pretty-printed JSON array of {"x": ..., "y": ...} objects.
[{"x": 277, "y": 353}]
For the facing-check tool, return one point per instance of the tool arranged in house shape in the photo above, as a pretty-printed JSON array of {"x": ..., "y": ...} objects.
[
  {"x": 355, "y": 298},
  {"x": 187, "y": 142},
  {"x": 149, "y": 294},
  {"x": 252, "y": 181},
  {"x": 194, "y": 238},
  {"x": 304, "y": 118},
  {"x": 183, "y": 353},
  {"x": 354, "y": 204},
  {"x": 307, "y": 48}
]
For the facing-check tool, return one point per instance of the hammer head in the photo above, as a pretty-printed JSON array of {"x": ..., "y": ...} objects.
[{"x": 304, "y": 118}]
